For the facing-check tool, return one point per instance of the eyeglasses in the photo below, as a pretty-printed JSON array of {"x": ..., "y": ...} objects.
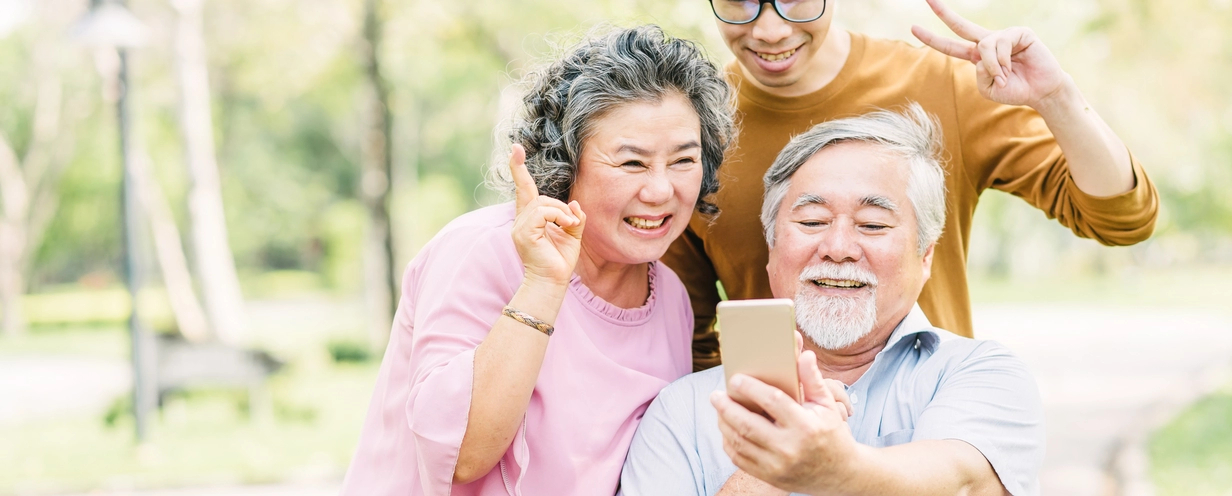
[{"x": 746, "y": 11}]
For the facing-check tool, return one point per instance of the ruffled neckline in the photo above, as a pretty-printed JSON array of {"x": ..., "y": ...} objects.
[{"x": 613, "y": 313}]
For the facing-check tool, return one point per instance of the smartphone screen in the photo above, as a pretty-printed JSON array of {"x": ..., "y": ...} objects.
[{"x": 758, "y": 338}]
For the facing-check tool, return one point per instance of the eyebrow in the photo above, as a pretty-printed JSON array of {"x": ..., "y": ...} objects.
[
  {"x": 642, "y": 151},
  {"x": 879, "y": 202},
  {"x": 808, "y": 199}
]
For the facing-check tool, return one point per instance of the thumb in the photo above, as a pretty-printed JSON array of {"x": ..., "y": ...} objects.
[{"x": 811, "y": 382}]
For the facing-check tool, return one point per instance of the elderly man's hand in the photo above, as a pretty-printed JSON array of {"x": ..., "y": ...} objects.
[
  {"x": 799, "y": 446},
  {"x": 1012, "y": 66}
]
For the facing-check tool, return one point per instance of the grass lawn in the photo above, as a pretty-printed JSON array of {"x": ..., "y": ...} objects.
[
  {"x": 205, "y": 437},
  {"x": 1192, "y": 455},
  {"x": 308, "y": 430}
]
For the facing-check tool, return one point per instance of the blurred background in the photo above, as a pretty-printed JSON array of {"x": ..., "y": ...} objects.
[{"x": 286, "y": 159}]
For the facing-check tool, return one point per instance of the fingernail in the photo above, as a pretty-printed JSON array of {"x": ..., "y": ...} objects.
[
  {"x": 737, "y": 381},
  {"x": 1000, "y": 81}
]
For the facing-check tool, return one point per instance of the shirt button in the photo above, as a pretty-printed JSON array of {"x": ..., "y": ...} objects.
[
  {"x": 855, "y": 399},
  {"x": 917, "y": 344}
]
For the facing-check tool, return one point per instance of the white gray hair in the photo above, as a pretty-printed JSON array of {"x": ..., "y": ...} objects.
[
  {"x": 912, "y": 134},
  {"x": 605, "y": 71}
]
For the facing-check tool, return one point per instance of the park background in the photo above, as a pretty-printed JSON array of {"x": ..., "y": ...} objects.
[{"x": 290, "y": 157}]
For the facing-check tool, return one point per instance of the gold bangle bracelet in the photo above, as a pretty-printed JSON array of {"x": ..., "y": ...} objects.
[{"x": 530, "y": 321}]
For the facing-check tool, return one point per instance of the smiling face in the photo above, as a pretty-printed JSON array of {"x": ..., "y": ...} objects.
[
  {"x": 638, "y": 179},
  {"x": 845, "y": 245},
  {"x": 784, "y": 57}
]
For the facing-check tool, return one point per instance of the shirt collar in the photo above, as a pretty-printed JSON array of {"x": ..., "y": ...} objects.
[{"x": 915, "y": 326}]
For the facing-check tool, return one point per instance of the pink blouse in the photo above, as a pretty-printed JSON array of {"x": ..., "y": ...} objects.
[{"x": 602, "y": 368}]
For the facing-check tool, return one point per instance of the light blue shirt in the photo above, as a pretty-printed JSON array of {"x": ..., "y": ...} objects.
[{"x": 927, "y": 383}]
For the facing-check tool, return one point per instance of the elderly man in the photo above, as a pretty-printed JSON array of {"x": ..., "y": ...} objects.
[{"x": 852, "y": 212}]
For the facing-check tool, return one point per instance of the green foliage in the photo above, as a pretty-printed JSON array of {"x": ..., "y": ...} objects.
[
  {"x": 350, "y": 350},
  {"x": 1192, "y": 455}
]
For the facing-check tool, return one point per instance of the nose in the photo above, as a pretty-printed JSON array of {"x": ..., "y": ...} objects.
[
  {"x": 657, "y": 190},
  {"x": 769, "y": 28},
  {"x": 840, "y": 242}
]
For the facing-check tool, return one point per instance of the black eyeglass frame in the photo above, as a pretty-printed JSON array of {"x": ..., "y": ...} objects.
[{"x": 774, "y": 4}]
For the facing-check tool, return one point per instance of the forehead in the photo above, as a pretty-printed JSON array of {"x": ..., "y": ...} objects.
[
  {"x": 849, "y": 171},
  {"x": 670, "y": 116}
]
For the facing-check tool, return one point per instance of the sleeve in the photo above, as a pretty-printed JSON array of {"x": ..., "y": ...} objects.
[
  {"x": 449, "y": 307},
  {"x": 991, "y": 402},
  {"x": 1011, "y": 149},
  {"x": 663, "y": 457},
  {"x": 687, "y": 257}
]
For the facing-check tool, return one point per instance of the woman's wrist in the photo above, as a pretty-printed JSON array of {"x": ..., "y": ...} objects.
[{"x": 539, "y": 298}]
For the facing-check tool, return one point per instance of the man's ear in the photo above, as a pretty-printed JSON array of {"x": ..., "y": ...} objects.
[{"x": 927, "y": 261}]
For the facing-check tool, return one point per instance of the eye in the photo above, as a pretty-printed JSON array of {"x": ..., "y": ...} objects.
[
  {"x": 811, "y": 223},
  {"x": 685, "y": 161},
  {"x": 634, "y": 164},
  {"x": 873, "y": 227}
]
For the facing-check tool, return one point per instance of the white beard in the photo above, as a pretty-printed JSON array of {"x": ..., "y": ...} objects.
[{"x": 836, "y": 322}]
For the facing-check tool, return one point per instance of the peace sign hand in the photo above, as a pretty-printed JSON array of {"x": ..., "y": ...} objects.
[
  {"x": 546, "y": 231},
  {"x": 1012, "y": 66}
]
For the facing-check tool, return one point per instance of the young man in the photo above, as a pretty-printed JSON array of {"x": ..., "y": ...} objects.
[
  {"x": 1012, "y": 120},
  {"x": 853, "y": 209}
]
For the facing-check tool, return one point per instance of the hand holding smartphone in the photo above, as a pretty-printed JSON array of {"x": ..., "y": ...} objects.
[{"x": 758, "y": 338}]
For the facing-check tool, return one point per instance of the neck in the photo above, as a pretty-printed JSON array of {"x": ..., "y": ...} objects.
[
  {"x": 848, "y": 364},
  {"x": 623, "y": 285}
]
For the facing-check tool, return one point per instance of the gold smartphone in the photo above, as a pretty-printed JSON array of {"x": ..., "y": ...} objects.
[{"x": 758, "y": 338}]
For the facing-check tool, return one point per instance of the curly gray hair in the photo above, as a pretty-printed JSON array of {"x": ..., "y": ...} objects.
[
  {"x": 912, "y": 134},
  {"x": 601, "y": 73}
]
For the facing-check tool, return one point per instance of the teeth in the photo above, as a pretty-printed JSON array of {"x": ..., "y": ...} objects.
[
  {"x": 641, "y": 223},
  {"x": 776, "y": 57},
  {"x": 838, "y": 284}
]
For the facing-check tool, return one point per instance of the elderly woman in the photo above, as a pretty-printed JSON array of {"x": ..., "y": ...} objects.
[{"x": 524, "y": 352}]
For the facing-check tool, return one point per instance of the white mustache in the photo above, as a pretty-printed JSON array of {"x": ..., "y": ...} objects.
[{"x": 839, "y": 272}]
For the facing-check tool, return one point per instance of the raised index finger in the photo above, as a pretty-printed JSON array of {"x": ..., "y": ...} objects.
[
  {"x": 965, "y": 29},
  {"x": 523, "y": 183}
]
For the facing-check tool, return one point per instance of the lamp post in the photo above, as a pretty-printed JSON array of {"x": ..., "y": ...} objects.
[{"x": 111, "y": 29}]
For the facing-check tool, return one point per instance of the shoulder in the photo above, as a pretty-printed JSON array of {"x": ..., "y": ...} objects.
[
  {"x": 961, "y": 359},
  {"x": 485, "y": 227},
  {"x": 477, "y": 241},
  {"x": 893, "y": 57}
]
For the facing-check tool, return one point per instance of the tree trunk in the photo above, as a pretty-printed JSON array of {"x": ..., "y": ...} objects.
[
  {"x": 380, "y": 281},
  {"x": 14, "y": 198},
  {"x": 220, "y": 287},
  {"x": 189, "y": 316}
]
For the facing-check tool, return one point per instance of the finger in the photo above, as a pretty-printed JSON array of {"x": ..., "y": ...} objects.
[
  {"x": 547, "y": 213},
  {"x": 958, "y": 49},
  {"x": 1005, "y": 48},
  {"x": 840, "y": 395},
  {"x": 576, "y": 230},
  {"x": 815, "y": 389},
  {"x": 988, "y": 59},
  {"x": 799, "y": 343},
  {"x": 778, "y": 405},
  {"x": 524, "y": 184},
  {"x": 965, "y": 29},
  {"x": 738, "y": 423}
]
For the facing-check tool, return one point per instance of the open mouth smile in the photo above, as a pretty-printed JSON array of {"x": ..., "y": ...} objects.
[
  {"x": 646, "y": 224},
  {"x": 776, "y": 57},
  {"x": 838, "y": 283}
]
